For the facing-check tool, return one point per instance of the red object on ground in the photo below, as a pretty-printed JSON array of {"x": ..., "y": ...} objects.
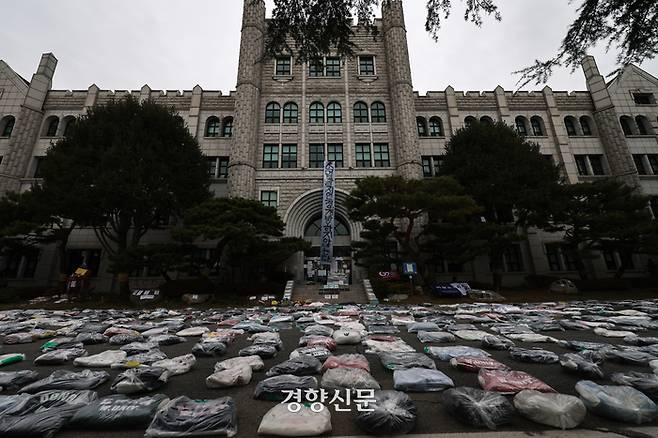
[
  {"x": 322, "y": 341},
  {"x": 383, "y": 338},
  {"x": 510, "y": 382},
  {"x": 347, "y": 361},
  {"x": 475, "y": 364}
]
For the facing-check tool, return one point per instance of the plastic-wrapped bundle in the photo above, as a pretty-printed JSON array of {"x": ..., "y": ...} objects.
[
  {"x": 300, "y": 366},
  {"x": 177, "y": 365},
  {"x": 59, "y": 357},
  {"x": 444, "y": 354},
  {"x": 347, "y": 361},
  {"x": 475, "y": 364},
  {"x": 633, "y": 357},
  {"x": 68, "y": 380},
  {"x": 478, "y": 408},
  {"x": 645, "y": 382},
  {"x": 621, "y": 403},
  {"x": 140, "y": 379},
  {"x": 209, "y": 348},
  {"x": 55, "y": 343},
  {"x": 348, "y": 378},
  {"x": 612, "y": 333},
  {"x": 654, "y": 365},
  {"x": 471, "y": 335},
  {"x": 255, "y": 362},
  {"x": 166, "y": 339},
  {"x": 577, "y": 364},
  {"x": 393, "y": 413},
  {"x": 193, "y": 331},
  {"x": 18, "y": 338},
  {"x": 112, "y": 331},
  {"x": 226, "y": 336},
  {"x": 12, "y": 380},
  {"x": 138, "y": 347},
  {"x": 125, "y": 339},
  {"x": 418, "y": 327},
  {"x": 268, "y": 338},
  {"x": 570, "y": 324},
  {"x": 557, "y": 410},
  {"x": 437, "y": 337},
  {"x": 253, "y": 327},
  {"x": 320, "y": 353},
  {"x": 377, "y": 344},
  {"x": 379, "y": 329},
  {"x": 139, "y": 360},
  {"x": 530, "y": 337},
  {"x": 320, "y": 341},
  {"x": 583, "y": 345},
  {"x": 510, "y": 382},
  {"x": 278, "y": 319},
  {"x": 281, "y": 421},
  {"x": 401, "y": 361},
  {"x": 236, "y": 376},
  {"x": 421, "y": 380},
  {"x": 43, "y": 414},
  {"x": 100, "y": 360},
  {"x": 7, "y": 359},
  {"x": 496, "y": 343},
  {"x": 275, "y": 388},
  {"x": 346, "y": 336},
  {"x": 88, "y": 338},
  {"x": 640, "y": 341},
  {"x": 402, "y": 319},
  {"x": 265, "y": 351},
  {"x": 183, "y": 417},
  {"x": 118, "y": 412},
  {"x": 533, "y": 355},
  {"x": 318, "y": 330}
]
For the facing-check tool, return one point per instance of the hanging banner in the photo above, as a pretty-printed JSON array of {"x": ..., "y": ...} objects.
[{"x": 328, "y": 213}]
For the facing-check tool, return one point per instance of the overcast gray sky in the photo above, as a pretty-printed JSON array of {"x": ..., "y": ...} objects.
[{"x": 176, "y": 44}]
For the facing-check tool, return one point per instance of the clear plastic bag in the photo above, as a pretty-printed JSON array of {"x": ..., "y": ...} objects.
[
  {"x": 177, "y": 365},
  {"x": 478, "y": 408},
  {"x": 421, "y": 380},
  {"x": 347, "y": 361},
  {"x": 320, "y": 353},
  {"x": 281, "y": 421},
  {"x": 267, "y": 338},
  {"x": 138, "y": 347},
  {"x": 142, "y": 379},
  {"x": 621, "y": 403},
  {"x": 118, "y": 412},
  {"x": 68, "y": 380},
  {"x": 318, "y": 330},
  {"x": 633, "y": 357},
  {"x": 510, "y": 382},
  {"x": 435, "y": 337},
  {"x": 100, "y": 360},
  {"x": 237, "y": 376},
  {"x": 444, "y": 354},
  {"x": 166, "y": 339},
  {"x": 533, "y": 355},
  {"x": 193, "y": 331},
  {"x": 304, "y": 365},
  {"x": 91, "y": 338},
  {"x": 348, "y": 378},
  {"x": 209, "y": 348},
  {"x": 400, "y": 361},
  {"x": 275, "y": 388},
  {"x": 122, "y": 339},
  {"x": 418, "y": 327},
  {"x": 393, "y": 413},
  {"x": 255, "y": 362},
  {"x": 265, "y": 351},
  {"x": 557, "y": 410},
  {"x": 645, "y": 382},
  {"x": 388, "y": 344},
  {"x": 346, "y": 336},
  {"x": 12, "y": 380},
  {"x": 475, "y": 364},
  {"x": 471, "y": 335},
  {"x": 59, "y": 356},
  {"x": 497, "y": 343},
  {"x": 577, "y": 364},
  {"x": 183, "y": 417}
]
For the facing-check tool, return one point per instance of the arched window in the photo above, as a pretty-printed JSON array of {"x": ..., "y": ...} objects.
[
  {"x": 378, "y": 112},
  {"x": 315, "y": 227},
  {"x": 586, "y": 125},
  {"x": 570, "y": 125},
  {"x": 436, "y": 127},
  {"x": 360, "y": 113},
  {"x": 334, "y": 113},
  {"x": 316, "y": 113},
  {"x": 626, "y": 125},
  {"x": 52, "y": 123},
  {"x": 273, "y": 113},
  {"x": 470, "y": 120},
  {"x": 643, "y": 125},
  {"x": 537, "y": 126},
  {"x": 521, "y": 124},
  {"x": 486, "y": 120},
  {"x": 7, "y": 126},
  {"x": 68, "y": 122},
  {"x": 212, "y": 127},
  {"x": 290, "y": 113},
  {"x": 227, "y": 127},
  {"x": 421, "y": 126}
]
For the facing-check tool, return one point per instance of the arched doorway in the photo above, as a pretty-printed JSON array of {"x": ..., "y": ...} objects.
[{"x": 342, "y": 262}]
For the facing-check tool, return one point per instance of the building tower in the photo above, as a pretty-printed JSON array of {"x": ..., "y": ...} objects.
[
  {"x": 28, "y": 126},
  {"x": 614, "y": 143},
  {"x": 401, "y": 90},
  {"x": 242, "y": 167}
]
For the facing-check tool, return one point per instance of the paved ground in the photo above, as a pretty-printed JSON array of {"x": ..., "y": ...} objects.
[{"x": 432, "y": 418}]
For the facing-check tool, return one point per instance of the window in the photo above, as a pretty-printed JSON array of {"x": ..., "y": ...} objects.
[
  {"x": 316, "y": 155},
  {"x": 421, "y": 126},
  {"x": 570, "y": 124},
  {"x": 378, "y": 112},
  {"x": 51, "y": 127},
  {"x": 270, "y": 156},
  {"x": 653, "y": 205},
  {"x": 581, "y": 165},
  {"x": 381, "y": 155},
  {"x": 227, "y": 127},
  {"x": 643, "y": 125},
  {"x": 332, "y": 66},
  {"x": 25, "y": 260},
  {"x": 316, "y": 113},
  {"x": 212, "y": 127},
  {"x": 586, "y": 125},
  {"x": 289, "y": 156},
  {"x": 644, "y": 99},
  {"x": 537, "y": 126},
  {"x": 367, "y": 65},
  {"x": 362, "y": 153},
  {"x": 290, "y": 113},
  {"x": 273, "y": 113},
  {"x": 360, "y": 112},
  {"x": 212, "y": 167},
  {"x": 69, "y": 122},
  {"x": 513, "y": 259},
  {"x": 431, "y": 165},
  {"x": 468, "y": 121},
  {"x": 626, "y": 125},
  {"x": 560, "y": 257},
  {"x": 521, "y": 126},
  {"x": 596, "y": 161},
  {"x": 335, "y": 154},
  {"x": 639, "y": 164},
  {"x": 283, "y": 66},
  {"x": 436, "y": 127},
  {"x": 553, "y": 257},
  {"x": 316, "y": 68},
  {"x": 610, "y": 260},
  {"x": 334, "y": 113},
  {"x": 7, "y": 126},
  {"x": 653, "y": 163},
  {"x": 269, "y": 198},
  {"x": 486, "y": 120}
]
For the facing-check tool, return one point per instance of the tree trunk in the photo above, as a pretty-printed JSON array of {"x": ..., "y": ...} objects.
[{"x": 124, "y": 284}]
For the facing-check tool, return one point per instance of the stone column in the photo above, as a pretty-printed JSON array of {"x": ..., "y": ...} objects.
[
  {"x": 407, "y": 150},
  {"x": 242, "y": 167}
]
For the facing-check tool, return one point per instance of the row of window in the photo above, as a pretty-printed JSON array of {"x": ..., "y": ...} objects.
[
  {"x": 646, "y": 164},
  {"x": 285, "y": 156},
  {"x": 328, "y": 66},
  {"x": 588, "y": 165},
  {"x": 317, "y": 114},
  {"x": 638, "y": 126},
  {"x": 562, "y": 258},
  {"x": 215, "y": 127},
  {"x": 52, "y": 127}
]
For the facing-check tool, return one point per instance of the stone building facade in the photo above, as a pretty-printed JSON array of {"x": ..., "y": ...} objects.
[{"x": 267, "y": 140}]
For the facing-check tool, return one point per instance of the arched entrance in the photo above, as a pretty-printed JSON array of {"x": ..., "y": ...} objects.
[{"x": 342, "y": 263}]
